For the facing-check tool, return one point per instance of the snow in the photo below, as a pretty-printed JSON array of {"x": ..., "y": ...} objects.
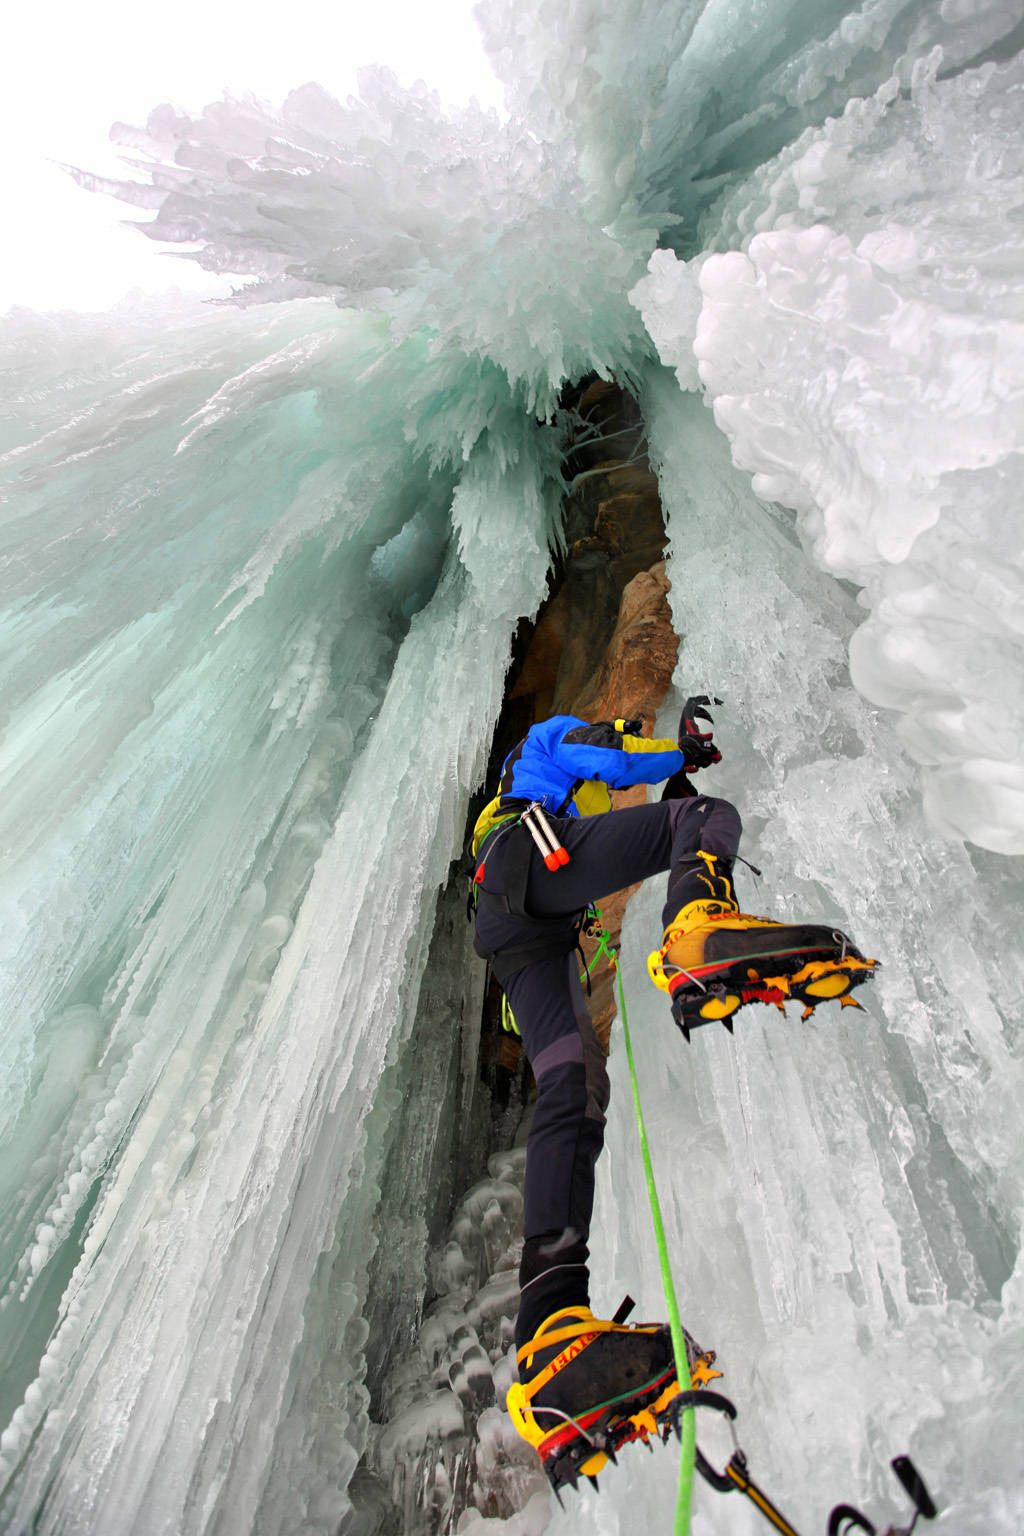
[{"x": 263, "y": 566}]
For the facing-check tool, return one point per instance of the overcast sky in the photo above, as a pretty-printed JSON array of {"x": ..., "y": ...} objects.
[{"x": 69, "y": 69}]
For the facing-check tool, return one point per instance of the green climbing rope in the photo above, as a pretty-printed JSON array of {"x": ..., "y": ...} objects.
[{"x": 688, "y": 1431}]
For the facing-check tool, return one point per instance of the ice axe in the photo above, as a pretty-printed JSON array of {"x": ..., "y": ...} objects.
[{"x": 697, "y": 745}]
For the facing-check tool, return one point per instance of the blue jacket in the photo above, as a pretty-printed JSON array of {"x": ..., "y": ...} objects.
[{"x": 567, "y": 764}]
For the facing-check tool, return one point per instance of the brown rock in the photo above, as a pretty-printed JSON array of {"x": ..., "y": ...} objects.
[
  {"x": 634, "y": 673},
  {"x": 539, "y": 671},
  {"x": 632, "y": 679}
]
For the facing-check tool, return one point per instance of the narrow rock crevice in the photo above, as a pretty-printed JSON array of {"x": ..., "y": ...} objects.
[{"x": 437, "y": 1368}]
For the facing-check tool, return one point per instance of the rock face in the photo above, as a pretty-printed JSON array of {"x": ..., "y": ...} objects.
[
  {"x": 614, "y": 529},
  {"x": 633, "y": 679}
]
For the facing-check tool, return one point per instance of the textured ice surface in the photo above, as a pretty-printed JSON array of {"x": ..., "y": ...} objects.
[
  {"x": 204, "y": 915},
  {"x": 261, "y": 571},
  {"x": 445, "y": 1444},
  {"x": 867, "y": 369},
  {"x": 473, "y": 231},
  {"x": 843, "y": 1210}
]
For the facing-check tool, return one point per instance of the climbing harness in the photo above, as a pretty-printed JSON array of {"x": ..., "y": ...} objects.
[
  {"x": 592, "y": 928},
  {"x": 552, "y": 937}
]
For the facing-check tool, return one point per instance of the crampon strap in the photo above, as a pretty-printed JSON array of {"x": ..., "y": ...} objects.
[{"x": 584, "y": 1336}]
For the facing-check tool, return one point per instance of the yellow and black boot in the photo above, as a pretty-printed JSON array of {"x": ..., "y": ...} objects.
[
  {"x": 715, "y": 958},
  {"x": 587, "y": 1387}
]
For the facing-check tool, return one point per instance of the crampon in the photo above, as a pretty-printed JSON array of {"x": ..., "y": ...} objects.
[
  {"x": 580, "y": 1444},
  {"x": 710, "y": 972}
]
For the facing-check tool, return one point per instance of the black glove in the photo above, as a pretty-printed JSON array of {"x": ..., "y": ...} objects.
[
  {"x": 696, "y": 745},
  {"x": 631, "y": 727}
]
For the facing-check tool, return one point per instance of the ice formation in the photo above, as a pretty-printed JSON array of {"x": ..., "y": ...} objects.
[{"x": 262, "y": 569}]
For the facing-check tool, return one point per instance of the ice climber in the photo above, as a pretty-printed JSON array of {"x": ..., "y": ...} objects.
[{"x": 577, "y": 1373}]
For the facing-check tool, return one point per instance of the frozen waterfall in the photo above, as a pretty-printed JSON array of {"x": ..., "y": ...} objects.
[{"x": 263, "y": 566}]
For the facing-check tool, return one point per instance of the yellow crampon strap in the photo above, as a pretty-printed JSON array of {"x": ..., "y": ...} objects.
[
  {"x": 545, "y": 1340},
  {"x": 521, "y": 1394},
  {"x": 579, "y": 1337}
]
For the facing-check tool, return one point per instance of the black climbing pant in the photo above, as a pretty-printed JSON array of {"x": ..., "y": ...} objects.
[{"x": 606, "y": 853}]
